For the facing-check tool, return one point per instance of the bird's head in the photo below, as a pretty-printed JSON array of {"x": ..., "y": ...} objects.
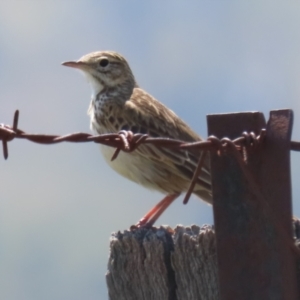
[{"x": 105, "y": 69}]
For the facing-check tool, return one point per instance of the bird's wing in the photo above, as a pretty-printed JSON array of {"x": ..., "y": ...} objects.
[{"x": 147, "y": 115}]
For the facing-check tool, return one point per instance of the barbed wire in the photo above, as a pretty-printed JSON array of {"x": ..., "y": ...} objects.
[
  {"x": 124, "y": 140},
  {"x": 127, "y": 141}
]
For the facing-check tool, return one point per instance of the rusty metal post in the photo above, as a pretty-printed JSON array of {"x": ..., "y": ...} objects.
[{"x": 253, "y": 211}]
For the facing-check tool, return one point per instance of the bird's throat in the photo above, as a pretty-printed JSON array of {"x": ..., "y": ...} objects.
[{"x": 96, "y": 86}]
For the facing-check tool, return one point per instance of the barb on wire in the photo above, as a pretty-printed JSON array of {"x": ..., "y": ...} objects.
[
  {"x": 195, "y": 177},
  {"x": 7, "y": 134}
]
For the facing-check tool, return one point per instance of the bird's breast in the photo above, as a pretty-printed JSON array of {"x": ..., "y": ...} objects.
[
  {"x": 108, "y": 117},
  {"x": 102, "y": 115}
]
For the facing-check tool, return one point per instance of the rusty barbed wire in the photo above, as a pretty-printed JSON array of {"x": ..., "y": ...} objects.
[{"x": 127, "y": 141}]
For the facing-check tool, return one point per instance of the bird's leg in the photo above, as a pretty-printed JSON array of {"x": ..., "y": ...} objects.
[{"x": 151, "y": 217}]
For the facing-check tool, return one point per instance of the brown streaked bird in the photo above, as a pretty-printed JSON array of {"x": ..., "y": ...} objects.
[{"x": 118, "y": 103}]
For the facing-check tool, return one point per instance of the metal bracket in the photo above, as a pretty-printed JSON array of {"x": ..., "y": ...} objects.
[{"x": 252, "y": 209}]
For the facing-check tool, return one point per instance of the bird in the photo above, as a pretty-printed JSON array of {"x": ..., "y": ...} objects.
[{"x": 119, "y": 103}]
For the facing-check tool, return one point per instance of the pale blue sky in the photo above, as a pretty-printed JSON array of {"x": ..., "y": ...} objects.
[{"x": 60, "y": 203}]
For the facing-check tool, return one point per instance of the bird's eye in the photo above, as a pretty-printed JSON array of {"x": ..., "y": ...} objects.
[{"x": 103, "y": 62}]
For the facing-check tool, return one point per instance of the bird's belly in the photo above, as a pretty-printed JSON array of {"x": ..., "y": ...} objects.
[
  {"x": 150, "y": 174},
  {"x": 133, "y": 167}
]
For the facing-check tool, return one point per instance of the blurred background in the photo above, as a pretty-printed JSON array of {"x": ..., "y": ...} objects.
[{"x": 59, "y": 204}]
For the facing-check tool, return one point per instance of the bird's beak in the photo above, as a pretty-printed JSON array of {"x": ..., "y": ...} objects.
[{"x": 74, "y": 64}]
